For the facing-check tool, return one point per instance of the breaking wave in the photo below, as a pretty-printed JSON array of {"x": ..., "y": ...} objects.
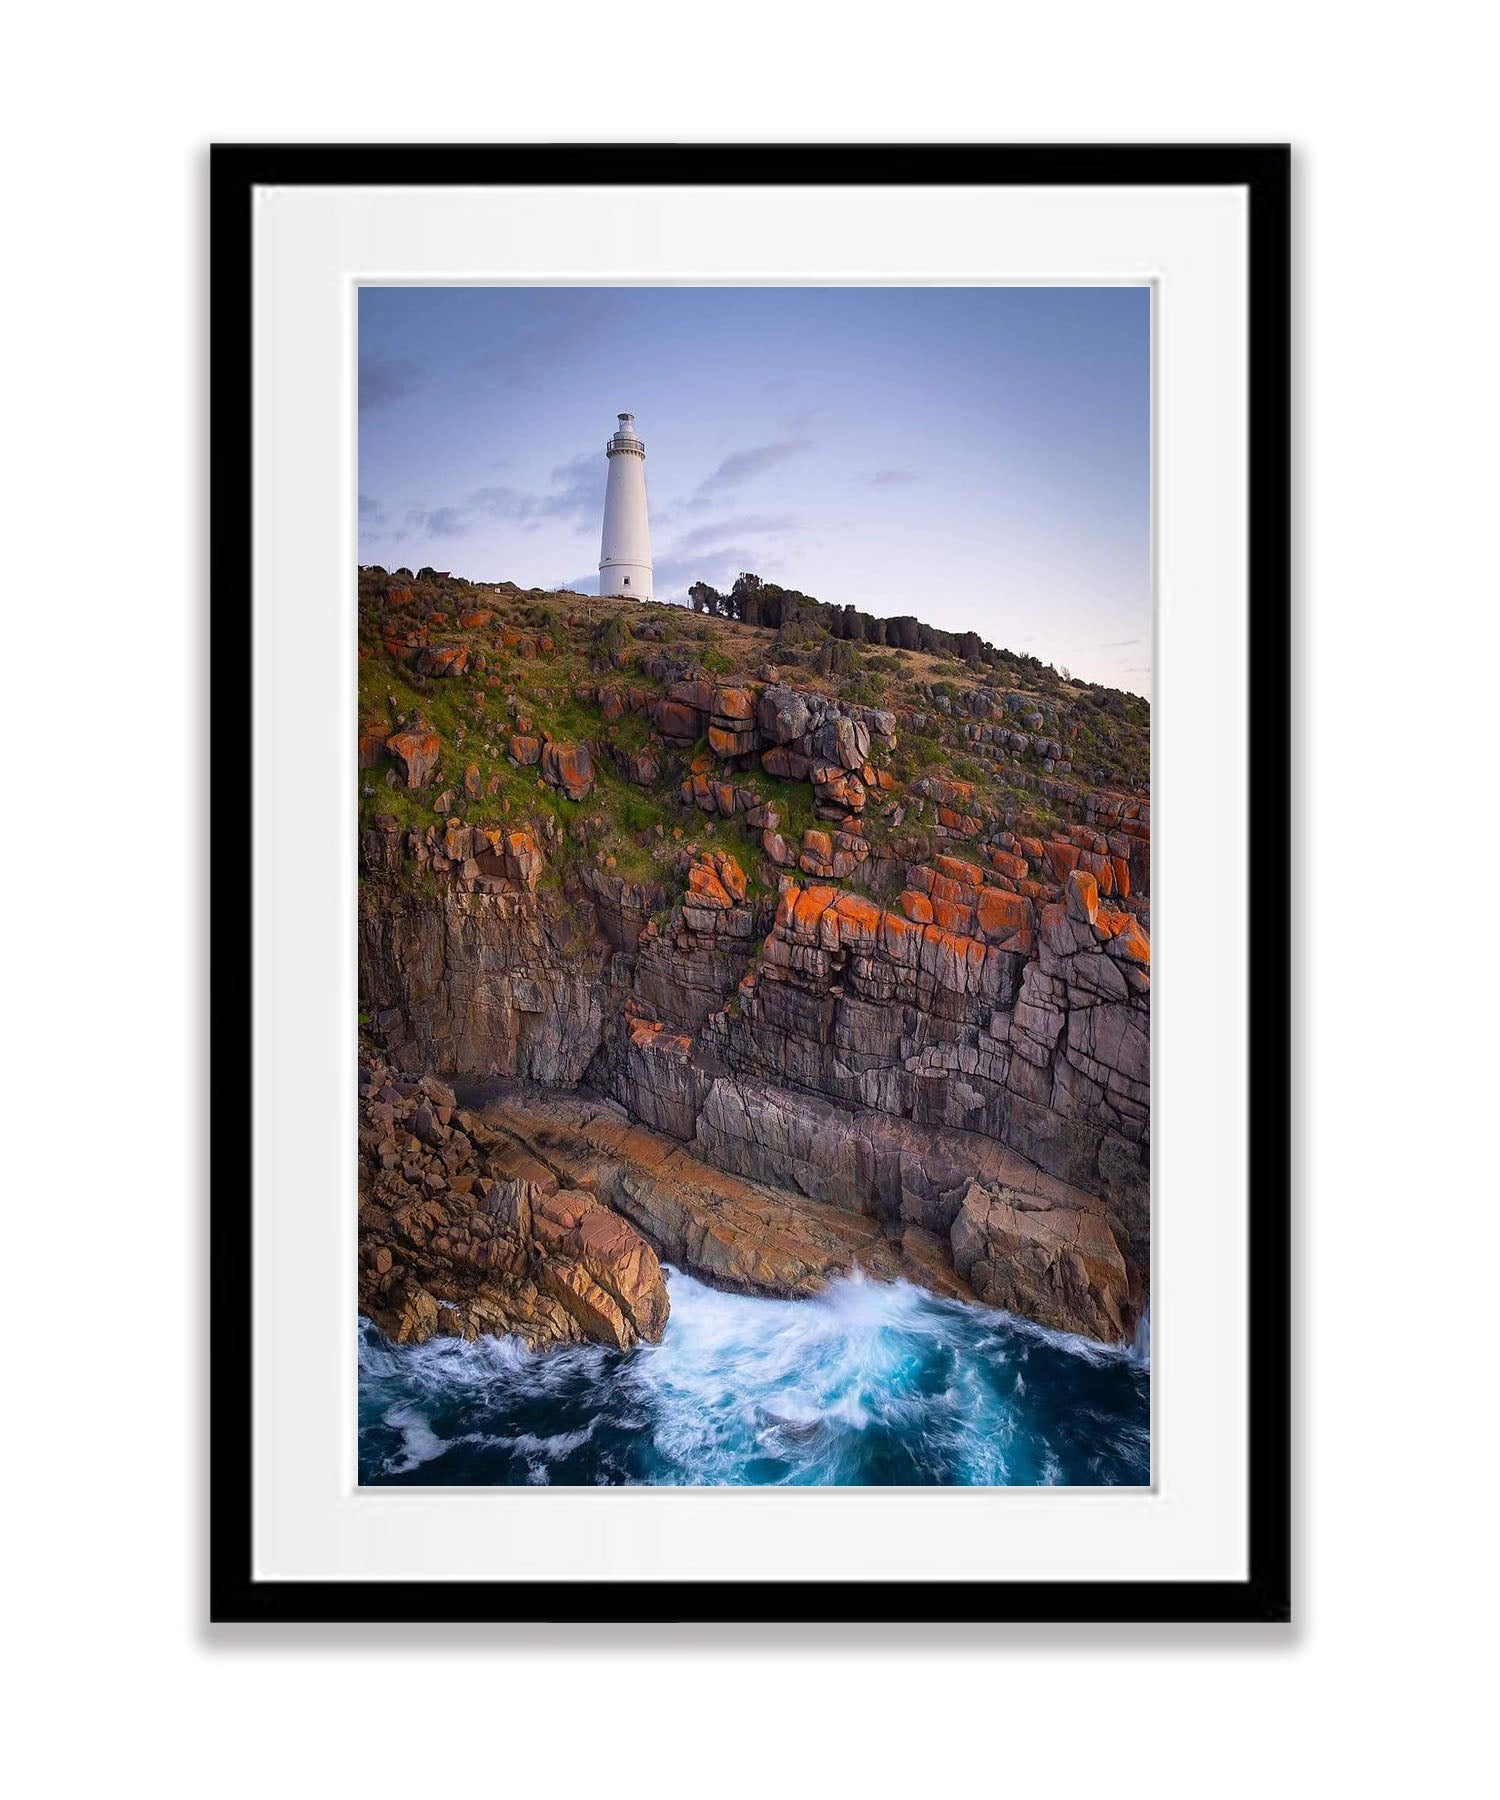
[{"x": 867, "y": 1383}]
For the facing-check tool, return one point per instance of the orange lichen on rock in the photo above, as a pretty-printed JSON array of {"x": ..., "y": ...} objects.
[
  {"x": 806, "y": 910},
  {"x": 446, "y": 659},
  {"x": 859, "y": 921},
  {"x": 733, "y": 703},
  {"x": 648, "y": 1034},
  {"x": 1060, "y": 859},
  {"x": 1000, "y": 914},
  {"x": 569, "y": 767},
  {"x": 952, "y": 915},
  {"x": 716, "y": 881},
  {"x": 415, "y": 754},
  {"x": 727, "y": 741}
]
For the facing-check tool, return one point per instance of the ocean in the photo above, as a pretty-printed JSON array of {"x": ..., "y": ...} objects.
[{"x": 865, "y": 1384}]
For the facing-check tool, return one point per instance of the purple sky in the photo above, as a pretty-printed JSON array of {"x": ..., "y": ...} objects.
[{"x": 979, "y": 457}]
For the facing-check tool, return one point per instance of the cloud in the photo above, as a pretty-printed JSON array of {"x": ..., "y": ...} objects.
[
  {"x": 744, "y": 465},
  {"x": 385, "y": 379},
  {"x": 371, "y": 510},
  {"x": 577, "y": 494},
  {"x": 447, "y": 521},
  {"x": 718, "y": 549},
  {"x": 890, "y": 477},
  {"x": 727, "y": 530},
  {"x": 717, "y": 565}
]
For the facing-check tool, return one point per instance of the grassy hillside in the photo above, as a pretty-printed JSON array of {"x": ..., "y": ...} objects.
[{"x": 528, "y": 664}]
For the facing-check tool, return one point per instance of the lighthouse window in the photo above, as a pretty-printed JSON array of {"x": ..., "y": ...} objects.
[{"x": 627, "y": 581}]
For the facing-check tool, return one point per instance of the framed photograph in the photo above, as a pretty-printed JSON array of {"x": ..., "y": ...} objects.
[{"x": 746, "y": 684}]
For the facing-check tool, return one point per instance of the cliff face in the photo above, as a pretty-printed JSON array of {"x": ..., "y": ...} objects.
[
  {"x": 865, "y": 1058},
  {"x": 484, "y": 984},
  {"x": 930, "y": 1021}
]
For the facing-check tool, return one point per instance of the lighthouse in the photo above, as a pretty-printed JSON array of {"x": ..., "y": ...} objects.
[{"x": 625, "y": 555}]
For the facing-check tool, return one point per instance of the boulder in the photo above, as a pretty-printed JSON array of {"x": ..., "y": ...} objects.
[
  {"x": 445, "y": 659},
  {"x": 569, "y": 767},
  {"x": 782, "y": 715},
  {"x": 732, "y": 705},
  {"x": 726, "y": 741},
  {"x": 784, "y": 764},
  {"x": 415, "y": 754},
  {"x": 1059, "y": 1265},
  {"x": 678, "y": 723}
]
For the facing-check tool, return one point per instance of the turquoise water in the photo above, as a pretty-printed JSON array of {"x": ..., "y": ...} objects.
[{"x": 868, "y": 1383}]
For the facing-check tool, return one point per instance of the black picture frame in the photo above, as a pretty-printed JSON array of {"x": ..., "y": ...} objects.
[{"x": 1263, "y": 172}]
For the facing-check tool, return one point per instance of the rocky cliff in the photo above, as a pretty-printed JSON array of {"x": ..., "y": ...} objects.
[
  {"x": 791, "y": 970},
  {"x": 463, "y": 1232}
]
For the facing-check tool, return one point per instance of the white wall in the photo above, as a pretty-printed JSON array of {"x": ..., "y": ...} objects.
[
  {"x": 1377, "y": 1689},
  {"x": 625, "y": 546}
]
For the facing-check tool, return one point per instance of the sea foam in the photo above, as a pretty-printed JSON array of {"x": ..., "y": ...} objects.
[{"x": 865, "y": 1383}]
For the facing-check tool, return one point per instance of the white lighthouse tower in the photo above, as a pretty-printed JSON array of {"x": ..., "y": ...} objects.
[{"x": 625, "y": 555}]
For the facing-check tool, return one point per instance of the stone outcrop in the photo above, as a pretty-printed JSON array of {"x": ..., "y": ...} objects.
[
  {"x": 1060, "y": 1266},
  {"x": 883, "y": 1059},
  {"x": 499, "y": 983},
  {"x": 914, "y": 1177},
  {"x": 569, "y": 767},
  {"x": 415, "y": 753},
  {"x": 463, "y": 1232},
  {"x": 797, "y": 736},
  {"x": 735, "y": 1233},
  {"x": 445, "y": 659},
  {"x": 968, "y": 1008},
  {"x": 484, "y": 858}
]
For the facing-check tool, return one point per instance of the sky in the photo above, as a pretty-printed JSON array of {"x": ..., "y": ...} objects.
[{"x": 978, "y": 457}]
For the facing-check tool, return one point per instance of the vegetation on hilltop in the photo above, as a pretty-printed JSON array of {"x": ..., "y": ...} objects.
[{"x": 490, "y": 667}]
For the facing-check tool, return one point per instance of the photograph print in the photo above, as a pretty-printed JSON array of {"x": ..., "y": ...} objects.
[{"x": 754, "y": 766}]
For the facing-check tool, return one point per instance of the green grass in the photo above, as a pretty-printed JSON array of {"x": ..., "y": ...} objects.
[
  {"x": 1111, "y": 729},
  {"x": 792, "y": 799}
]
